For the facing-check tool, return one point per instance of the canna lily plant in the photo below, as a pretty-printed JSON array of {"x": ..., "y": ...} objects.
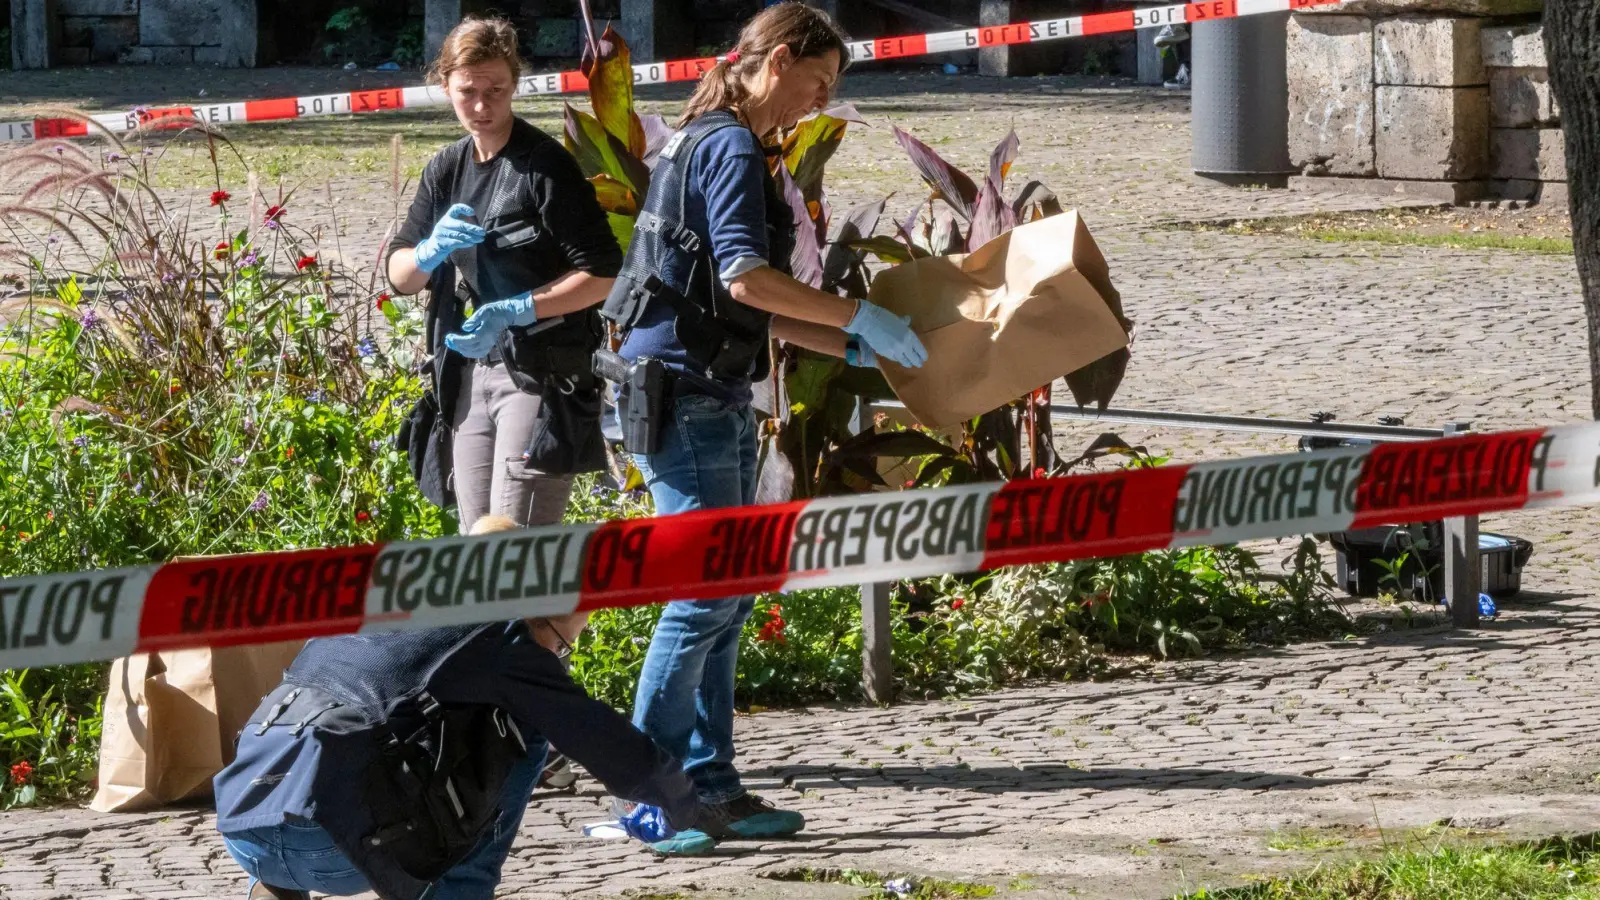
[
  {"x": 612, "y": 143},
  {"x": 955, "y": 199}
]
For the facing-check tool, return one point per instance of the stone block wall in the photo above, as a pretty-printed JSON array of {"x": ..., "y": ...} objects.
[
  {"x": 1438, "y": 92},
  {"x": 159, "y": 32},
  {"x": 1526, "y": 152}
]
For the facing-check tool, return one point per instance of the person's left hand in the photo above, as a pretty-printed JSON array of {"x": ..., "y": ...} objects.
[
  {"x": 648, "y": 824},
  {"x": 482, "y": 329}
]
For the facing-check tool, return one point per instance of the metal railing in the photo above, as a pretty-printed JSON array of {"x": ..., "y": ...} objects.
[{"x": 1462, "y": 573}]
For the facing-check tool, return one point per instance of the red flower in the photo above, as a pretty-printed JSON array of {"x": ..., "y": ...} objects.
[
  {"x": 773, "y": 628},
  {"x": 24, "y": 537},
  {"x": 363, "y": 515},
  {"x": 305, "y": 262},
  {"x": 220, "y": 197},
  {"x": 21, "y": 771},
  {"x": 1040, "y": 473},
  {"x": 174, "y": 388},
  {"x": 223, "y": 249},
  {"x": 288, "y": 453},
  {"x": 382, "y": 299},
  {"x": 273, "y": 212},
  {"x": 958, "y": 602},
  {"x": 910, "y": 483}
]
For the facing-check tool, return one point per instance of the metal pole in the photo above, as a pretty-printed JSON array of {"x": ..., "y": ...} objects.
[
  {"x": 1463, "y": 572},
  {"x": 877, "y": 642},
  {"x": 1247, "y": 424}
]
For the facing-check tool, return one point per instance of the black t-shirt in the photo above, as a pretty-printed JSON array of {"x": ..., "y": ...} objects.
[{"x": 532, "y": 180}]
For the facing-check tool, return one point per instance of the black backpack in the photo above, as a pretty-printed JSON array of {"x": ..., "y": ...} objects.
[{"x": 439, "y": 785}]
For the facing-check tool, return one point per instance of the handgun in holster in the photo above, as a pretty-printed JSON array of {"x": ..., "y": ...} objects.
[{"x": 642, "y": 400}]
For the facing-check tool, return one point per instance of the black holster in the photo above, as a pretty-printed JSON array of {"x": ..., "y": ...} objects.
[{"x": 645, "y": 392}]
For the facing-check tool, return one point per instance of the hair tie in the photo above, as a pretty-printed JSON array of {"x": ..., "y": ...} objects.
[{"x": 732, "y": 57}]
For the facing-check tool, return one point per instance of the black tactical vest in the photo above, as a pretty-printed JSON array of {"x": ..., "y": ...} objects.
[{"x": 724, "y": 337}]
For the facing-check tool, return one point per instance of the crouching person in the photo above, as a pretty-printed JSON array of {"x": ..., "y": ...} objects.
[{"x": 402, "y": 763}]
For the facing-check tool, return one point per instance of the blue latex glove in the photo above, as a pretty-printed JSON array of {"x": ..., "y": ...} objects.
[
  {"x": 648, "y": 824},
  {"x": 482, "y": 329},
  {"x": 889, "y": 335},
  {"x": 858, "y": 353},
  {"x": 452, "y": 233}
]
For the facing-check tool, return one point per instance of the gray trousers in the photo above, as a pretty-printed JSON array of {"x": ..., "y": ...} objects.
[{"x": 493, "y": 424}]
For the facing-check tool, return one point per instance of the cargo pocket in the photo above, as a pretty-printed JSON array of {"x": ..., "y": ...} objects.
[{"x": 531, "y": 497}]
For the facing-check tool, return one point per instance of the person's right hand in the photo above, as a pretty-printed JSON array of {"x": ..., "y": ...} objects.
[
  {"x": 889, "y": 335},
  {"x": 453, "y": 232}
]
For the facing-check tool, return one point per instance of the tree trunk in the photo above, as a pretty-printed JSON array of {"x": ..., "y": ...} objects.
[{"x": 1572, "y": 42}]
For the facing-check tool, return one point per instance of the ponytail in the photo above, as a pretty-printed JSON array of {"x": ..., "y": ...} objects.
[
  {"x": 721, "y": 88},
  {"x": 807, "y": 32}
]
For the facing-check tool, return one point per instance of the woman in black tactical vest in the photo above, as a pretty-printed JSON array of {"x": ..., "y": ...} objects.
[
  {"x": 504, "y": 222},
  {"x": 704, "y": 287}
]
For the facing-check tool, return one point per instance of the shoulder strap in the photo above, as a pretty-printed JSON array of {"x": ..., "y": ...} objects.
[{"x": 691, "y": 137}]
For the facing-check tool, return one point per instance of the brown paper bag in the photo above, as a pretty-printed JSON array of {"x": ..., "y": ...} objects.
[
  {"x": 171, "y": 719},
  {"x": 1024, "y": 309}
]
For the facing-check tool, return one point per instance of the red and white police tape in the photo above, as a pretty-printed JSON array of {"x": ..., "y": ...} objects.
[
  {"x": 386, "y": 99},
  {"x": 258, "y": 598}
]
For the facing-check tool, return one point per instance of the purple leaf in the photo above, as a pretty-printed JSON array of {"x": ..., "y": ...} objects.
[
  {"x": 1005, "y": 153},
  {"x": 992, "y": 218},
  {"x": 948, "y": 182},
  {"x": 847, "y": 112},
  {"x": 908, "y": 229},
  {"x": 1035, "y": 202},
  {"x": 840, "y": 258},
  {"x": 806, "y": 260},
  {"x": 656, "y": 134},
  {"x": 946, "y": 238}
]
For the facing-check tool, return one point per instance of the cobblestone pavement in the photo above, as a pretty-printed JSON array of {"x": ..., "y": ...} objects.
[{"x": 1143, "y": 786}]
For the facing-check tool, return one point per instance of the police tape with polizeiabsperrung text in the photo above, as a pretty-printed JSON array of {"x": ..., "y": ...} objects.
[
  {"x": 391, "y": 99},
  {"x": 877, "y": 537}
]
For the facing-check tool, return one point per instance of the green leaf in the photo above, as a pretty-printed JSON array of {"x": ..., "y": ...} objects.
[
  {"x": 808, "y": 383},
  {"x": 809, "y": 146},
  {"x": 614, "y": 196},
  {"x": 621, "y": 229},
  {"x": 600, "y": 152},
  {"x": 895, "y": 444},
  {"x": 887, "y": 249},
  {"x": 611, "y": 91},
  {"x": 69, "y": 292}
]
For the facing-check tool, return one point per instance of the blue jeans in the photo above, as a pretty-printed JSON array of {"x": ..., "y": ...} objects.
[
  {"x": 303, "y": 856},
  {"x": 685, "y": 696}
]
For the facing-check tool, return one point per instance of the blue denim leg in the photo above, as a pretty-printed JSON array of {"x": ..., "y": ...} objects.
[
  {"x": 303, "y": 857},
  {"x": 476, "y": 877},
  {"x": 685, "y": 696},
  {"x": 295, "y": 856}
]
